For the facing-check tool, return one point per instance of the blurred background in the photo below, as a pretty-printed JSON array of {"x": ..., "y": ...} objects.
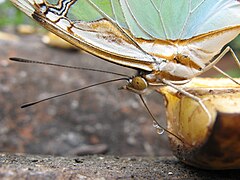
[{"x": 99, "y": 120}]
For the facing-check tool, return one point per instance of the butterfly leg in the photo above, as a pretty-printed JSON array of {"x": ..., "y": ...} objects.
[
  {"x": 234, "y": 56},
  {"x": 197, "y": 99},
  {"x": 235, "y": 59},
  {"x": 225, "y": 74},
  {"x": 225, "y": 51}
]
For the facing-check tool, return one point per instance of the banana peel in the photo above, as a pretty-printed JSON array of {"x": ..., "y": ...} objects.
[{"x": 207, "y": 143}]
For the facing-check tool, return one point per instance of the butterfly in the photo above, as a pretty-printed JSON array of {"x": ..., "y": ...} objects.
[{"x": 167, "y": 42}]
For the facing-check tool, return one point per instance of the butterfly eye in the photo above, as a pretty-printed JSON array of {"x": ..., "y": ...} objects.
[{"x": 139, "y": 83}]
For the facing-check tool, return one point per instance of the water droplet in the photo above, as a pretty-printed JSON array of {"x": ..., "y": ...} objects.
[
  {"x": 155, "y": 125},
  {"x": 160, "y": 131}
]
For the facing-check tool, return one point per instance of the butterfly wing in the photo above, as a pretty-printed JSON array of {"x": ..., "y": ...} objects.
[
  {"x": 139, "y": 33},
  {"x": 181, "y": 19},
  {"x": 95, "y": 26}
]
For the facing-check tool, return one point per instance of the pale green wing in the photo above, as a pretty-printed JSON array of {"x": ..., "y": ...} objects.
[
  {"x": 179, "y": 19},
  {"x": 89, "y": 11}
]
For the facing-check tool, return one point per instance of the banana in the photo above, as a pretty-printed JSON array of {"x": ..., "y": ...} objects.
[{"x": 207, "y": 142}]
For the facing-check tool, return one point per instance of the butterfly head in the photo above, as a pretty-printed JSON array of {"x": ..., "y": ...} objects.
[{"x": 137, "y": 84}]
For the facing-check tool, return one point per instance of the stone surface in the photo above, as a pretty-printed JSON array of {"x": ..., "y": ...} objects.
[{"x": 20, "y": 166}]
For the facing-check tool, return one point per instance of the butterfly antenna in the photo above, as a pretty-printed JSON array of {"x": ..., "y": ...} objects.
[
  {"x": 69, "y": 92},
  {"x": 156, "y": 124},
  {"x": 16, "y": 59}
]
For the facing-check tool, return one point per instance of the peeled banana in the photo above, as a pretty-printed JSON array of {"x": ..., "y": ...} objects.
[{"x": 207, "y": 142}]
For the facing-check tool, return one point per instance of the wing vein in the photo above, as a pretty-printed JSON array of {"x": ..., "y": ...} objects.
[
  {"x": 190, "y": 12},
  {"x": 115, "y": 23},
  {"x": 161, "y": 19},
  {"x": 135, "y": 19}
]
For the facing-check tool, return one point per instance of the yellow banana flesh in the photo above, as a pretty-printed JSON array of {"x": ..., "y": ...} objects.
[{"x": 208, "y": 143}]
